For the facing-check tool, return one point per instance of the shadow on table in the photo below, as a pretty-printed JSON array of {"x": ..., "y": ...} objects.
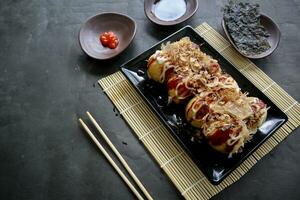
[
  {"x": 102, "y": 68},
  {"x": 161, "y": 32}
]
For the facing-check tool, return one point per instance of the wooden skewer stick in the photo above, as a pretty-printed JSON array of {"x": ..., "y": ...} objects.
[
  {"x": 107, "y": 156},
  {"x": 124, "y": 163}
]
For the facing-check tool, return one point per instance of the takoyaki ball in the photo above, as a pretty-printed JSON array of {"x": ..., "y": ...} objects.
[
  {"x": 214, "y": 67},
  {"x": 196, "y": 83},
  {"x": 196, "y": 111},
  {"x": 211, "y": 65},
  {"x": 226, "y": 135},
  {"x": 259, "y": 109},
  {"x": 209, "y": 97},
  {"x": 227, "y": 81},
  {"x": 228, "y": 88},
  {"x": 229, "y": 94},
  {"x": 177, "y": 90},
  {"x": 158, "y": 68}
]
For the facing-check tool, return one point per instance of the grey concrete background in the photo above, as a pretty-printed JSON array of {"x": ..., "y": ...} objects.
[{"x": 47, "y": 82}]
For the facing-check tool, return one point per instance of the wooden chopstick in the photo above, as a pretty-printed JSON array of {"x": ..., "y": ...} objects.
[
  {"x": 107, "y": 156},
  {"x": 119, "y": 156}
]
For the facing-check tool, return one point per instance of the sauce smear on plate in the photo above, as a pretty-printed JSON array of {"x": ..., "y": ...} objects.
[{"x": 169, "y": 10}]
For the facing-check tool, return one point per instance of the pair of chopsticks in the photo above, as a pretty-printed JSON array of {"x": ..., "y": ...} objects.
[{"x": 115, "y": 166}]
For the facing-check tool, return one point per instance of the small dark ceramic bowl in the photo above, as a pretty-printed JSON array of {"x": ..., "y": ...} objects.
[
  {"x": 191, "y": 8},
  {"x": 122, "y": 25},
  {"x": 273, "y": 39}
]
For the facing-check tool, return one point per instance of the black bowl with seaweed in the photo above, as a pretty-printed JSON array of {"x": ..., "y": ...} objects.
[{"x": 252, "y": 34}]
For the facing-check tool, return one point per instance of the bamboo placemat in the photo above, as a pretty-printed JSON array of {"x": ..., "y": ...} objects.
[{"x": 182, "y": 171}]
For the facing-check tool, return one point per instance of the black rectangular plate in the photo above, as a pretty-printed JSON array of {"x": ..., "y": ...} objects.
[{"x": 214, "y": 165}]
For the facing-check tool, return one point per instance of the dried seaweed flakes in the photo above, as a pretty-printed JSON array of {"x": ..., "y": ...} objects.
[{"x": 243, "y": 24}]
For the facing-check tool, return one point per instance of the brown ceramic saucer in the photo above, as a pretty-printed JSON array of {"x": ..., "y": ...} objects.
[
  {"x": 122, "y": 25},
  {"x": 191, "y": 8},
  {"x": 273, "y": 39}
]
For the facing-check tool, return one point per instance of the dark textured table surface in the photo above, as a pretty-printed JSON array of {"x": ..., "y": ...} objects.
[{"x": 47, "y": 82}]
